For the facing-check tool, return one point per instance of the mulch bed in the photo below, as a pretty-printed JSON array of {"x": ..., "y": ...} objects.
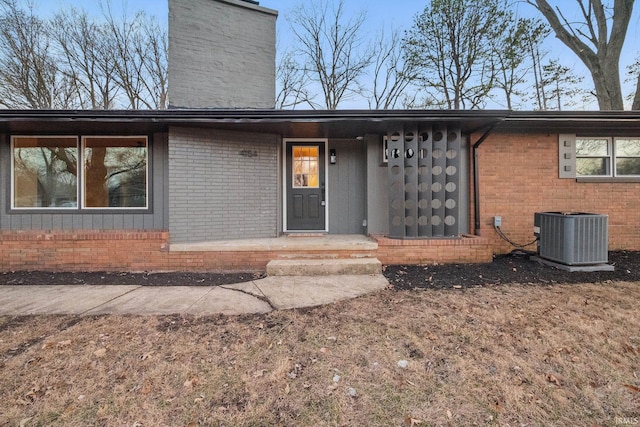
[
  {"x": 517, "y": 267},
  {"x": 505, "y": 269},
  {"x": 176, "y": 278}
]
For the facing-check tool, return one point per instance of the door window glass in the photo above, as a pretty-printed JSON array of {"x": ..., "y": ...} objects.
[{"x": 305, "y": 166}]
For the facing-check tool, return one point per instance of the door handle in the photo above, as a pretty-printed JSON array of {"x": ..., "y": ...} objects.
[{"x": 322, "y": 192}]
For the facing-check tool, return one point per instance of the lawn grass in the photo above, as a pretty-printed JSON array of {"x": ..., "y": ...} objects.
[{"x": 505, "y": 356}]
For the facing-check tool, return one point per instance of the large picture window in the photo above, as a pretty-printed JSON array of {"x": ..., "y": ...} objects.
[
  {"x": 109, "y": 172},
  {"x": 608, "y": 157},
  {"x": 115, "y": 172},
  {"x": 45, "y": 172}
]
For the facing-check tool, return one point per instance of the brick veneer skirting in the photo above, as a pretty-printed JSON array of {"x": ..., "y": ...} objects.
[
  {"x": 467, "y": 249},
  {"x": 84, "y": 250},
  {"x": 126, "y": 250}
]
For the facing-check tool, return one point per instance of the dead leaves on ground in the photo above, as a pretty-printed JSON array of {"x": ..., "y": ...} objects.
[
  {"x": 193, "y": 381},
  {"x": 556, "y": 379},
  {"x": 52, "y": 344},
  {"x": 411, "y": 422}
]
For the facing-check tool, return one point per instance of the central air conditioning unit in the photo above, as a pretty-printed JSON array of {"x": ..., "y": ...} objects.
[{"x": 572, "y": 238}]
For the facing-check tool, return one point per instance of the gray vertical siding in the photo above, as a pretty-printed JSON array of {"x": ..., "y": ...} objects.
[
  {"x": 221, "y": 54},
  {"x": 153, "y": 219},
  {"x": 377, "y": 188},
  {"x": 347, "y": 187},
  {"x": 223, "y": 185}
]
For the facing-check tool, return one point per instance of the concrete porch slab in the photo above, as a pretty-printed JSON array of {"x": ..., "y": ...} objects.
[
  {"x": 329, "y": 242},
  {"x": 572, "y": 268}
]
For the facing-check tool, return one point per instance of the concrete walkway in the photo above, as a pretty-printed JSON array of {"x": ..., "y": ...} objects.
[{"x": 258, "y": 296}]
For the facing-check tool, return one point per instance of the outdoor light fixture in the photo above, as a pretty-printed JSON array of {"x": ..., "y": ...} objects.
[{"x": 332, "y": 156}]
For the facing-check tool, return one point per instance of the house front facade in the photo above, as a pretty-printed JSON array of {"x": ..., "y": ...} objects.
[{"x": 217, "y": 181}]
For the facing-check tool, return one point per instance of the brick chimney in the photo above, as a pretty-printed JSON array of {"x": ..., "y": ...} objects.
[{"x": 221, "y": 54}]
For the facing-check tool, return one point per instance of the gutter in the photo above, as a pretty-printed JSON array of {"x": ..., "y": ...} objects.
[{"x": 476, "y": 176}]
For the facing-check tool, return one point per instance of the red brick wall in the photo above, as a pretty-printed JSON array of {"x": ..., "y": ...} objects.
[
  {"x": 149, "y": 251},
  {"x": 519, "y": 176},
  {"x": 129, "y": 251},
  {"x": 82, "y": 250},
  {"x": 468, "y": 249}
]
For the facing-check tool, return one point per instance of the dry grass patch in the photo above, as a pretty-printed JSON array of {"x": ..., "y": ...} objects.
[{"x": 506, "y": 356}]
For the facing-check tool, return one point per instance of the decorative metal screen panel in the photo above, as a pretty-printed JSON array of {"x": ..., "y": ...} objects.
[{"x": 424, "y": 182}]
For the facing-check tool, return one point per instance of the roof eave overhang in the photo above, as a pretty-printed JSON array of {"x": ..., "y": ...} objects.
[{"x": 318, "y": 123}]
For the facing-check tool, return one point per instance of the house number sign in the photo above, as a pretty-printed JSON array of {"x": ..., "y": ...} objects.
[{"x": 249, "y": 153}]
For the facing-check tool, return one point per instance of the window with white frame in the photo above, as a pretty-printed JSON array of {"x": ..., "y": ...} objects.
[
  {"x": 607, "y": 157},
  {"x": 627, "y": 155},
  {"x": 109, "y": 172},
  {"x": 115, "y": 172},
  {"x": 593, "y": 156},
  {"x": 45, "y": 172}
]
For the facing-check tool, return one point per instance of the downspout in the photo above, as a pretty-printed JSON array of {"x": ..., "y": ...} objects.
[{"x": 476, "y": 176}]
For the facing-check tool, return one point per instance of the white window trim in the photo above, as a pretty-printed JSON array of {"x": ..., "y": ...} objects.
[
  {"x": 80, "y": 178},
  {"x": 610, "y": 157},
  {"x": 614, "y": 167},
  {"x": 82, "y": 184},
  {"x": 13, "y": 184},
  {"x": 385, "y": 150}
]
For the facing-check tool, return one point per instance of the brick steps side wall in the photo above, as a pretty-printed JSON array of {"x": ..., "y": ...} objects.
[{"x": 468, "y": 249}]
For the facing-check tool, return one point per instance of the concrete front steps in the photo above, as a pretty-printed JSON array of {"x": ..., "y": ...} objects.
[{"x": 323, "y": 266}]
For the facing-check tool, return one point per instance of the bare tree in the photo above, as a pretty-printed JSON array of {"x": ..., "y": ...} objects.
[
  {"x": 391, "y": 73},
  {"x": 138, "y": 48},
  {"x": 451, "y": 47},
  {"x": 86, "y": 58},
  {"x": 154, "y": 51},
  {"x": 331, "y": 45},
  {"x": 536, "y": 56},
  {"x": 292, "y": 81},
  {"x": 124, "y": 35},
  {"x": 596, "y": 44},
  {"x": 513, "y": 57},
  {"x": 561, "y": 85},
  {"x": 634, "y": 74},
  {"x": 28, "y": 74},
  {"x": 75, "y": 62}
]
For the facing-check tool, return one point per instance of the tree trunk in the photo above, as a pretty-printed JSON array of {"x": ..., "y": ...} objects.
[
  {"x": 604, "y": 63},
  {"x": 636, "y": 98},
  {"x": 96, "y": 192}
]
